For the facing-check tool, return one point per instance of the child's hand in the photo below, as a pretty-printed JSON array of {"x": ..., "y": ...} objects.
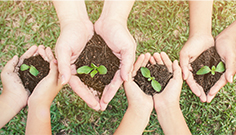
[
  {"x": 13, "y": 88},
  {"x": 137, "y": 99},
  {"x": 170, "y": 96},
  {"x": 195, "y": 45},
  {"x": 48, "y": 87}
]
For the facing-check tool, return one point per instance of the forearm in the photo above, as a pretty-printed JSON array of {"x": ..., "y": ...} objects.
[
  {"x": 133, "y": 122},
  {"x": 172, "y": 120},
  {"x": 38, "y": 120},
  {"x": 200, "y": 17},
  {"x": 70, "y": 10},
  {"x": 118, "y": 10},
  {"x": 8, "y": 109}
]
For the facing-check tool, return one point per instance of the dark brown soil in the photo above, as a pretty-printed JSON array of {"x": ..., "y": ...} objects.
[
  {"x": 161, "y": 74},
  {"x": 30, "y": 81},
  {"x": 208, "y": 58},
  {"x": 97, "y": 52}
]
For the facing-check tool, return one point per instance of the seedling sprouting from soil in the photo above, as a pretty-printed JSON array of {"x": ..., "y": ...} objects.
[
  {"x": 93, "y": 70},
  {"x": 147, "y": 74},
  {"x": 31, "y": 68},
  {"x": 205, "y": 69}
]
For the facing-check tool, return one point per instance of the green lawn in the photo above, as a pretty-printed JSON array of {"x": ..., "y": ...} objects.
[{"x": 156, "y": 26}]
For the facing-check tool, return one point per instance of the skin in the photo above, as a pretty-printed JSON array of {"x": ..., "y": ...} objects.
[
  {"x": 38, "y": 119},
  {"x": 14, "y": 96},
  {"x": 226, "y": 47},
  {"x": 166, "y": 103},
  {"x": 77, "y": 29},
  {"x": 200, "y": 39}
]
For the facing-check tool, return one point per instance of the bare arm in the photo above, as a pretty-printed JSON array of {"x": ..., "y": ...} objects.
[{"x": 200, "y": 17}]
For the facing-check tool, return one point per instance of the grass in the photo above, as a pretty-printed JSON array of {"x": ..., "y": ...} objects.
[{"x": 156, "y": 26}]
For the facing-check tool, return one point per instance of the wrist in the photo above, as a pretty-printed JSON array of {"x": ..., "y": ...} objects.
[
  {"x": 13, "y": 101},
  {"x": 168, "y": 107},
  {"x": 141, "y": 112}
]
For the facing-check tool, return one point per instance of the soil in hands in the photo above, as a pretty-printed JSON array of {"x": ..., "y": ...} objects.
[
  {"x": 30, "y": 81},
  {"x": 161, "y": 74},
  {"x": 208, "y": 58},
  {"x": 97, "y": 52}
]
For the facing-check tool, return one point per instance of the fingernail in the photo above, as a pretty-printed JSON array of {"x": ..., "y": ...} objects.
[
  {"x": 231, "y": 79},
  {"x": 97, "y": 108},
  {"x": 103, "y": 106},
  {"x": 62, "y": 79}
]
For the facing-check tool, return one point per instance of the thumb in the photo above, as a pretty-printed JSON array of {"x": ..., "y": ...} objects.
[
  {"x": 64, "y": 58},
  {"x": 11, "y": 64},
  {"x": 53, "y": 68},
  {"x": 230, "y": 69},
  {"x": 127, "y": 60}
]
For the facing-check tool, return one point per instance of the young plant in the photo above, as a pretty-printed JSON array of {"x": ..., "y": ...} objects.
[
  {"x": 93, "y": 70},
  {"x": 31, "y": 68},
  {"x": 205, "y": 69},
  {"x": 147, "y": 74}
]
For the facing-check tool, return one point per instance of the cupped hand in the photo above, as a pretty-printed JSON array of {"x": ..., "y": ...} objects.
[
  {"x": 169, "y": 97},
  {"x": 120, "y": 41},
  {"x": 226, "y": 47},
  {"x": 195, "y": 45},
  {"x": 48, "y": 87},
  {"x": 137, "y": 99},
  {"x": 72, "y": 40},
  {"x": 13, "y": 88}
]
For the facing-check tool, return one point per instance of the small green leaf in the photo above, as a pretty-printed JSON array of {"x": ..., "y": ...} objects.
[
  {"x": 220, "y": 67},
  {"x": 203, "y": 70},
  {"x": 149, "y": 79},
  {"x": 102, "y": 70},
  {"x": 24, "y": 67},
  {"x": 145, "y": 72},
  {"x": 213, "y": 72},
  {"x": 93, "y": 73},
  {"x": 93, "y": 66},
  {"x": 84, "y": 70},
  {"x": 213, "y": 68},
  {"x": 33, "y": 71},
  {"x": 156, "y": 85}
]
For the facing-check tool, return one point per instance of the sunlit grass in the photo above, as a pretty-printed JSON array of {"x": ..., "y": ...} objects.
[{"x": 156, "y": 26}]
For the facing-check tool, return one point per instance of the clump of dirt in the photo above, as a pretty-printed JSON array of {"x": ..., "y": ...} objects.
[
  {"x": 161, "y": 74},
  {"x": 30, "y": 81},
  {"x": 97, "y": 52},
  {"x": 208, "y": 58}
]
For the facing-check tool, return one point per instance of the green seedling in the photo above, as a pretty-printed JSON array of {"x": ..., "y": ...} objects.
[
  {"x": 147, "y": 74},
  {"x": 205, "y": 69},
  {"x": 31, "y": 68},
  {"x": 93, "y": 70}
]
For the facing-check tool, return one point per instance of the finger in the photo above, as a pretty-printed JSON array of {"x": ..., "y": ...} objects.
[
  {"x": 158, "y": 59},
  {"x": 230, "y": 68},
  {"x": 30, "y": 52},
  {"x": 80, "y": 89},
  {"x": 177, "y": 71},
  {"x": 214, "y": 90},
  {"x": 127, "y": 61},
  {"x": 11, "y": 64},
  {"x": 63, "y": 58},
  {"x": 53, "y": 69},
  {"x": 42, "y": 53},
  {"x": 138, "y": 64},
  {"x": 202, "y": 97},
  {"x": 110, "y": 90},
  {"x": 168, "y": 63},
  {"x": 73, "y": 69},
  {"x": 152, "y": 60},
  {"x": 184, "y": 62},
  {"x": 193, "y": 85},
  {"x": 49, "y": 54},
  {"x": 146, "y": 59}
]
